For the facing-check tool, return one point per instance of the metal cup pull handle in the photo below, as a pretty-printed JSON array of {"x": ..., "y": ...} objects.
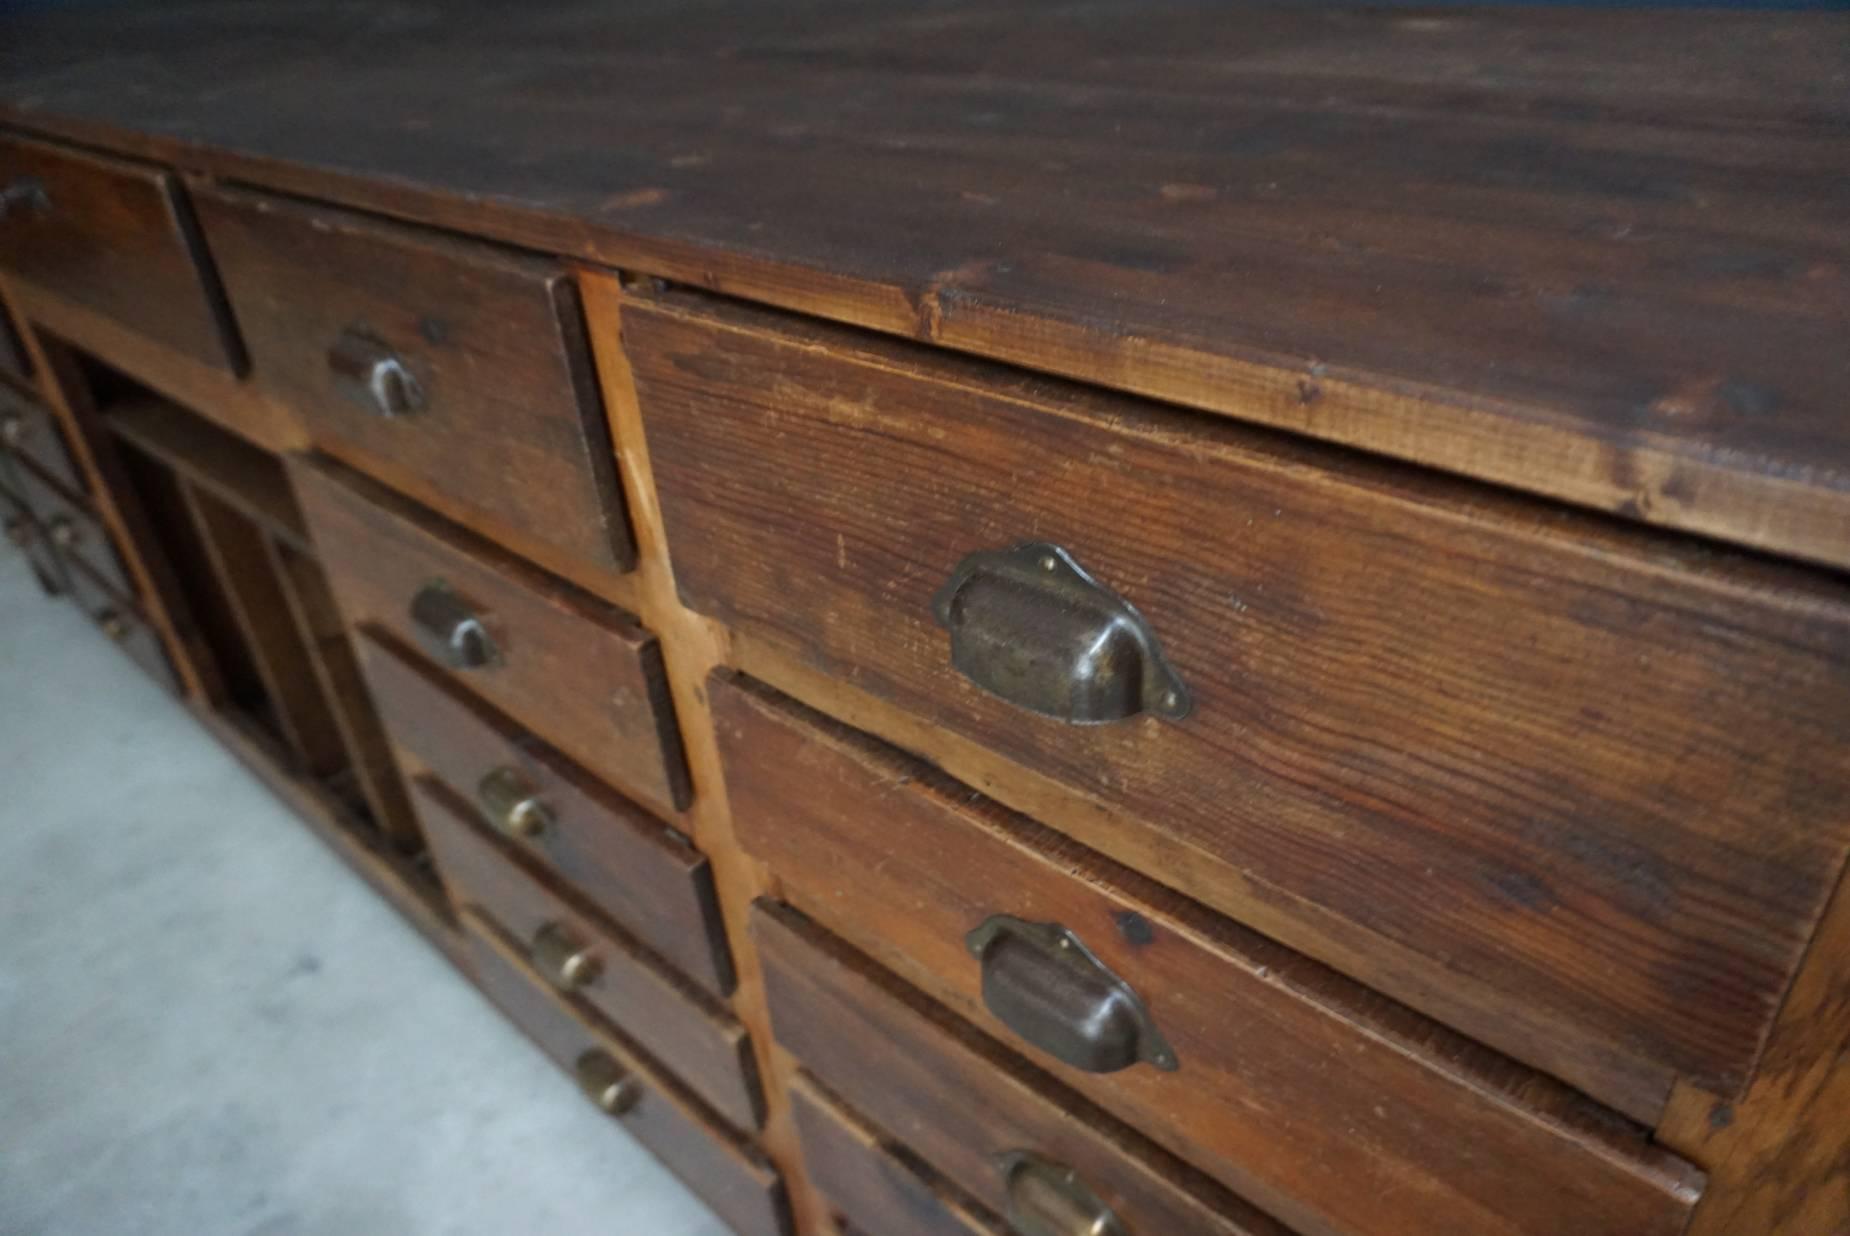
[
  {"x": 1046, "y": 1198},
  {"x": 452, "y": 631},
  {"x": 513, "y": 804},
  {"x": 1030, "y": 625},
  {"x": 367, "y": 371},
  {"x": 1042, "y": 982},
  {"x": 568, "y": 961},
  {"x": 606, "y": 1082}
]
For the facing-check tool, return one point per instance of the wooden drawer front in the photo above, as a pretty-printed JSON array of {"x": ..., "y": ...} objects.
[
  {"x": 689, "y": 1032},
  {"x": 115, "y": 237},
  {"x": 29, "y": 427},
  {"x": 646, "y": 877},
  {"x": 506, "y": 419},
  {"x": 117, "y": 618},
  {"x": 1576, "y": 791},
  {"x": 867, "y": 1179},
  {"x": 72, "y": 527},
  {"x": 1322, "y": 1103},
  {"x": 577, "y": 671},
  {"x": 725, "y": 1170},
  {"x": 956, "y": 1099}
]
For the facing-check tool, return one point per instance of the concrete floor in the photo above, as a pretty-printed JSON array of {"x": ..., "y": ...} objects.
[{"x": 208, "y": 1025}]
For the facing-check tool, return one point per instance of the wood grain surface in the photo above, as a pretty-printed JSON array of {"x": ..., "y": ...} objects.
[
  {"x": 1570, "y": 789},
  {"x": 1594, "y": 255},
  {"x": 955, "y": 1098},
  {"x": 511, "y": 425},
  {"x": 1330, "y": 1108}
]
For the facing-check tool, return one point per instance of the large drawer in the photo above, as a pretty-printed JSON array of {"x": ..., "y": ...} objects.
[
  {"x": 461, "y": 364},
  {"x": 29, "y": 428},
  {"x": 631, "y": 866},
  {"x": 957, "y": 1101},
  {"x": 117, "y": 238},
  {"x": 1572, "y": 788},
  {"x": 583, "y": 953},
  {"x": 573, "y": 669},
  {"x": 1327, "y": 1106},
  {"x": 724, "y": 1169}
]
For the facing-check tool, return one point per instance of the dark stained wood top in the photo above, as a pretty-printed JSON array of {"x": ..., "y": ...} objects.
[{"x": 1599, "y": 256}]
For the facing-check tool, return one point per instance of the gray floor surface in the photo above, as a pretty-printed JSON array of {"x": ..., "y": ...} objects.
[{"x": 209, "y": 1025}]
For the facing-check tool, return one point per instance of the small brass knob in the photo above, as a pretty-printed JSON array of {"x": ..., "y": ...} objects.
[
  {"x": 450, "y": 629},
  {"x": 513, "y": 805},
  {"x": 62, "y": 531},
  {"x": 606, "y": 1082},
  {"x": 12, "y": 428},
  {"x": 566, "y": 959},
  {"x": 114, "y": 625}
]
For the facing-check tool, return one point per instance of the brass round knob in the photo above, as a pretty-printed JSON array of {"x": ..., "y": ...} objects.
[
  {"x": 114, "y": 625},
  {"x": 12, "y": 428},
  {"x": 564, "y": 958},
  {"x": 513, "y": 805},
  {"x": 62, "y": 531},
  {"x": 606, "y": 1082}
]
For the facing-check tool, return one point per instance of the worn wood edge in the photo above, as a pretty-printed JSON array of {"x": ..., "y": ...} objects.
[
  {"x": 1450, "y": 1057},
  {"x": 218, "y": 396},
  {"x": 415, "y": 893},
  {"x": 691, "y": 647},
  {"x": 62, "y": 388},
  {"x": 1779, "y": 1156},
  {"x": 1523, "y": 447}
]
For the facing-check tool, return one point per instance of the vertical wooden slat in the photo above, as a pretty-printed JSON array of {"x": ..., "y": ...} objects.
[
  {"x": 331, "y": 657},
  {"x": 235, "y": 548}
]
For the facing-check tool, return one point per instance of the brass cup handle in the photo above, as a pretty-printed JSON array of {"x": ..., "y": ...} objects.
[
  {"x": 452, "y": 631},
  {"x": 567, "y": 960},
  {"x": 606, "y": 1082},
  {"x": 1042, "y": 982},
  {"x": 62, "y": 531},
  {"x": 25, "y": 195},
  {"x": 1029, "y": 624},
  {"x": 1046, "y": 1198},
  {"x": 513, "y": 805},
  {"x": 368, "y": 372}
]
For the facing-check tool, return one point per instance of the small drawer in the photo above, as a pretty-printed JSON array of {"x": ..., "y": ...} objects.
[
  {"x": 1571, "y": 788},
  {"x": 875, "y": 1186},
  {"x": 575, "y": 670},
  {"x": 724, "y": 1169},
  {"x": 632, "y": 867},
  {"x": 960, "y": 1103},
  {"x": 29, "y": 428},
  {"x": 117, "y": 618},
  {"x": 72, "y": 527},
  {"x": 117, "y": 238},
  {"x": 461, "y": 364},
  {"x": 584, "y": 953},
  {"x": 1323, "y": 1104}
]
